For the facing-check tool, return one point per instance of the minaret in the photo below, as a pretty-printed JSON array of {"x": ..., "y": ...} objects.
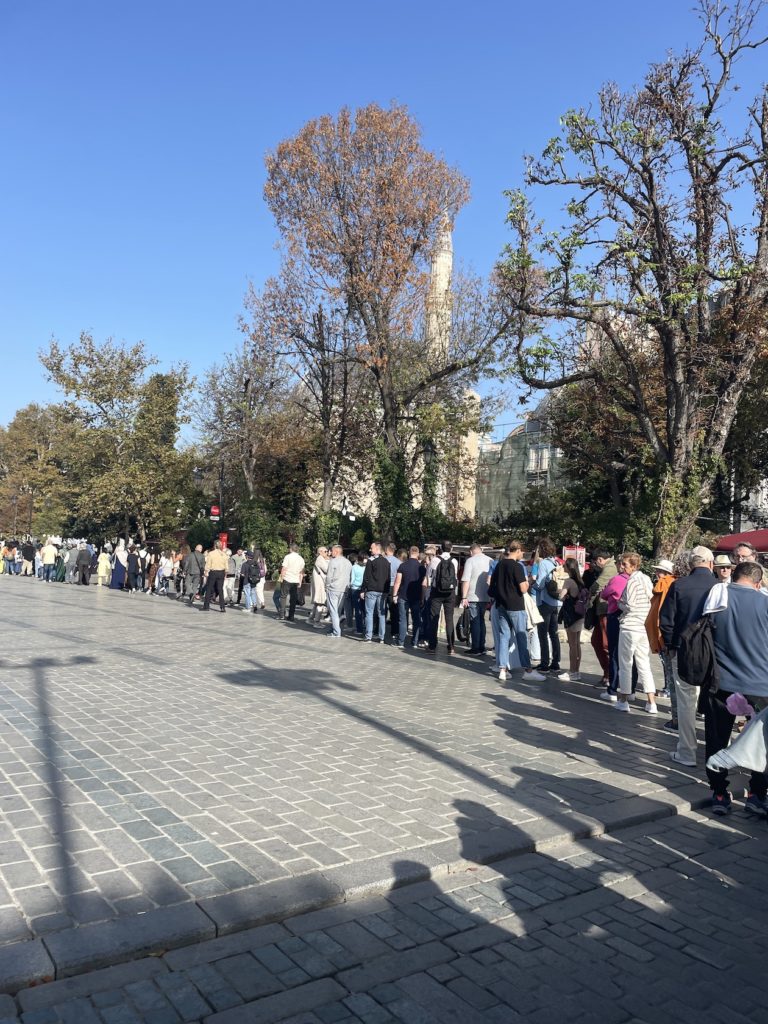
[{"x": 439, "y": 300}]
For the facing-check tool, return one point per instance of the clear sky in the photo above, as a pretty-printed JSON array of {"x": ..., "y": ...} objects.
[{"x": 134, "y": 135}]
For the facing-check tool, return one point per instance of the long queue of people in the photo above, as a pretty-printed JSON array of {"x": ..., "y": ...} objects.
[{"x": 528, "y": 603}]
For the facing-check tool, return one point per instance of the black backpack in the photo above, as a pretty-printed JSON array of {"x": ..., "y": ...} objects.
[
  {"x": 697, "y": 652},
  {"x": 444, "y": 580}
]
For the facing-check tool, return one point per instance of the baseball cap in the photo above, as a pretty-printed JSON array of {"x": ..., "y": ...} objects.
[{"x": 705, "y": 554}]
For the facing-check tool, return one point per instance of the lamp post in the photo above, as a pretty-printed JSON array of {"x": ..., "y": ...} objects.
[{"x": 15, "y": 503}]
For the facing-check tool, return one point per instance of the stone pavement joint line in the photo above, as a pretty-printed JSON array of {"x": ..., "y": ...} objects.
[
  {"x": 650, "y": 923},
  {"x": 152, "y": 797}
]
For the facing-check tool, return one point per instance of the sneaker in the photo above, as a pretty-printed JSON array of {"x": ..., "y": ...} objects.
[
  {"x": 367, "y": 640},
  {"x": 674, "y": 756},
  {"x": 665, "y": 692},
  {"x": 502, "y": 675},
  {"x": 671, "y": 726},
  {"x": 564, "y": 677},
  {"x": 721, "y": 804},
  {"x": 622, "y": 705},
  {"x": 651, "y": 709},
  {"x": 607, "y": 695},
  {"x": 554, "y": 670},
  {"x": 575, "y": 677},
  {"x": 756, "y": 806},
  {"x": 532, "y": 676}
]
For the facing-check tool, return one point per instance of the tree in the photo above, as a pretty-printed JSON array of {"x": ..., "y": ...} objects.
[
  {"x": 122, "y": 427},
  {"x": 31, "y": 482},
  {"x": 651, "y": 265}
]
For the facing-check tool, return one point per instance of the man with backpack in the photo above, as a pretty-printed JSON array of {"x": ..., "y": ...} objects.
[
  {"x": 740, "y": 634},
  {"x": 685, "y": 604},
  {"x": 443, "y": 597}
]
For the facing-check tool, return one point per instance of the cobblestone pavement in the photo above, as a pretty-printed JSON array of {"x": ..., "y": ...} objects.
[
  {"x": 661, "y": 922},
  {"x": 155, "y": 757}
]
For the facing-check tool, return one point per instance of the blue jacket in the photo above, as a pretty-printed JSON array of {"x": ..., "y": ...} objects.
[
  {"x": 741, "y": 642},
  {"x": 546, "y": 567}
]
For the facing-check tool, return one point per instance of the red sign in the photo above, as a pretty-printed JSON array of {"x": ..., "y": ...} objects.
[
  {"x": 215, "y": 510},
  {"x": 223, "y": 538}
]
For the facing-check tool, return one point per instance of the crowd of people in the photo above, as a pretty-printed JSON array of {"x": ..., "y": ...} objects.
[{"x": 410, "y": 598}]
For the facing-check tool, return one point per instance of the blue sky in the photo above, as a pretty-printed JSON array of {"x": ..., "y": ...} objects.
[{"x": 134, "y": 136}]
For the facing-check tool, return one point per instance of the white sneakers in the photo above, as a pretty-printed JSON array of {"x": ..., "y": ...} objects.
[
  {"x": 532, "y": 676},
  {"x": 622, "y": 705},
  {"x": 606, "y": 695},
  {"x": 502, "y": 675},
  {"x": 674, "y": 756},
  {"x": 651, "y": 709}
]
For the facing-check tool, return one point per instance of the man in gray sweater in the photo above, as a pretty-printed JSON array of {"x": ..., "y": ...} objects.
[{"x": 336, "y": 586}]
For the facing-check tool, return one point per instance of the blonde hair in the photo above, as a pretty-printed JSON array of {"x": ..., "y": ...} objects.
[{"x": 632, "y": 558}]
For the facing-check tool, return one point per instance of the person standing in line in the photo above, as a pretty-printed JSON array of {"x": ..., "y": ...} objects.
[
  {"x": 611, "y": 594},
  {"x": 103, "y": 569},
  {"x": 684, "y": 604},
  {"x": 336, "y": 587},
  {"x": 245, "y": 584},
  {"x": 740, "y": 633},
  {"x": 605, "y": 566},
  {"x": 443, "y": 597},
  {"x": 574, "y": 595},
  {"x": 548, "y": 603},
  {"x": 508, "y": 586},
  {"x": 407, "y": 592},
  {"x": 634, "y": 605},
  {"x": 394, "y": 564},
  {"x": 194, "y": 567},
  {"x": 374, "y": 592},
  {"x": 355, "y": 606},
  {"x": 317, "y": 587},
  {"x": 134, "y": 569},
  {"x": 216, "y": 563},
  {"x": 474, "y": 596},
  {"x": 665, "y": 577},
  {"x": 28, "y": 558},
  {"x": 48, "y": 555},
  {"x": 83, "y": 565},
  {"x": 260, "y": 572},
  {"x": 291, "y": 577}
]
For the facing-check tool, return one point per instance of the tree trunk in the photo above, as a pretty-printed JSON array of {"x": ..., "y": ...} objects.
[{"x": 326, "y": 502}]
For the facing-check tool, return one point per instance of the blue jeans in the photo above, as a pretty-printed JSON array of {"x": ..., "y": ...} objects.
[
  {"x": 355, "y": 610},
  {"x": 49, "y": 571},
  {"x": 375, "y": 601},
  {"x": 247, "y": 595},
  {"x": 477, "y": 625},
  {"x": 512, "y": 625},
  {"x": 414, "y": 607},
  {"x": 336, "y": 599}
]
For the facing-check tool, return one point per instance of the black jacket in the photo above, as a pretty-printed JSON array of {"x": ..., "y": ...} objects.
[
  {"x": 684, "y": 604},
  {"x": 376, "y": 575}
]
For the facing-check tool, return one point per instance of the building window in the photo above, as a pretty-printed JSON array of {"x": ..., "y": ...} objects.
[{"x": 538, "y": 459}]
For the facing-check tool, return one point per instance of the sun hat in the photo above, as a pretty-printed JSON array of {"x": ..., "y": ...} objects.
[
  {"x": 704, "y": 553},
  {"x": 665, "y": 565},
  {"x": 723, "y": 560}
]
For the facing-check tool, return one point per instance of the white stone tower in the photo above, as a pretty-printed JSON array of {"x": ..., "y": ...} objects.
[{"x": 440, "y": 300}]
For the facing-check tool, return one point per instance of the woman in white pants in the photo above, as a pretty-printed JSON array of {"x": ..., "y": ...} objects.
[{"x": 634, "y": 649}]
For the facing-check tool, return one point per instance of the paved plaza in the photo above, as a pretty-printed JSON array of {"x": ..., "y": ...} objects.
[{"x": 173, "y": 780}]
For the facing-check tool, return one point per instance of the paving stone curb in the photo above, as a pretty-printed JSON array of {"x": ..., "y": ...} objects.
[{"x": 91, "y": 947}]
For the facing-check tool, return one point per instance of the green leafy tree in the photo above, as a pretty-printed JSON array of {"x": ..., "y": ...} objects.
[{"x": 651, "y": 266}]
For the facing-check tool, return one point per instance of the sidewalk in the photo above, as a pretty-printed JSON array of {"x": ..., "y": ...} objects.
[
  {"x": 168, "y": 777},
  {"x": 611, "y": 930}
]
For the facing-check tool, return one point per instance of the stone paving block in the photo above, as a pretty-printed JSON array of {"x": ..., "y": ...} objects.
[
  {"x": 284, "y": 1004},
  {"x": 100, "y": 945},
  {"x": 109, "y": 978},
  {"x": 271, "y": 901},
  {"x": 23, "y": 964},
  {"x": 446, "y": 1004},
  {"x": 253, "y": 939},
  {"x": 248, "y": 977},
  {"x": 394, "y": 965}
]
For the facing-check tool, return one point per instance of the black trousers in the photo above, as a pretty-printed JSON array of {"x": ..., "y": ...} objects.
[
  {"x": 293, "y": 591},
  {"x": 447, "y": 603},
  {"x": 394, "y": 617},
  {"x": 85, "y": 575},
  {"x": 718, "y": 726},
  {"x": 215, "y": 586}
]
